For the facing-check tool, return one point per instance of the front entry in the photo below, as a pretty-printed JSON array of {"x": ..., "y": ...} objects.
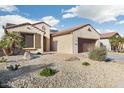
[
  {"x": 85, "y": 45},
  {"x": 44, "y": 44}
]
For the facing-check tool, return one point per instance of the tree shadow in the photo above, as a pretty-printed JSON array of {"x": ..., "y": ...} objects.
[{"x": 6, "y": 75}]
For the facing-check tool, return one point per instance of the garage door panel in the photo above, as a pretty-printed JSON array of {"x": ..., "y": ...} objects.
[{"x": 84, "y": 45}]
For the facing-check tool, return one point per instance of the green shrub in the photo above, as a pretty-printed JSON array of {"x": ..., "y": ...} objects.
[
  {"x": 13, "y": 68},
  {"x": 47, "y": 72},
  {"x": 3, "y": 60},
  {"x": 98, "y": 54},
  {"x": 86, "y": 63}
]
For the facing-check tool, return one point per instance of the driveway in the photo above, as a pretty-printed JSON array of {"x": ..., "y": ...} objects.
[{"x": 119, "y": 57}]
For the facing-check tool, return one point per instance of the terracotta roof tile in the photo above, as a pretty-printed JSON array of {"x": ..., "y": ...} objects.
[
  {"x": 41, "y": 22},
  {"x": 107, "y": 35},
  {"x": 18, "y": 25},
  {"x": 67, "y": 31}
]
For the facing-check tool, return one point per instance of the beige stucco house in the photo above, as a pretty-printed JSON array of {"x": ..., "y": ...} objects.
[{"x": 39, "y": 38}]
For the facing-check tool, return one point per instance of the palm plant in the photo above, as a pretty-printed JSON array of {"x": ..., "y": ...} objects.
[
  {"x": 116, "y": 42},
  {"x": 9, "y": 41}
]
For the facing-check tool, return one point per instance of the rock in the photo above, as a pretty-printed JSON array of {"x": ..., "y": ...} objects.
[{"x": 27, "y": 55}]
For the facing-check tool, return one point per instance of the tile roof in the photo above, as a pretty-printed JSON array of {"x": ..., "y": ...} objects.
[
  {"x": 108, "y": 35},
  {"x": 18, "y": 25},
  {"x": 67, "y": 31},
  {"x": 40, "y": 23}
]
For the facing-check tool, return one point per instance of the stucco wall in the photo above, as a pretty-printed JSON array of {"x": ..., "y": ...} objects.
[
  {"x": 64, "y": 43},
  {"x": 84, "y": 33},
  {"x": 46, "y": 34},
  {"x": 106, "y": 43},
  {"x": 29, "y": 29}
]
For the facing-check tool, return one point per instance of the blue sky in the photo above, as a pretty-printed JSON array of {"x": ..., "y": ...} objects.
[{"x": 102, "y": 18}]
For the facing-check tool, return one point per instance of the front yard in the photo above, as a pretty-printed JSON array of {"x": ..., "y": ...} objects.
[{"x": 68, "y": 73}]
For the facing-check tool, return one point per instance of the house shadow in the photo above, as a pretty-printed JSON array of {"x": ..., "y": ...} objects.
[
  {"x": 22, "y": 59},
  {"x": 35, "y": 56},
  {"x": 6, "y": 75}
]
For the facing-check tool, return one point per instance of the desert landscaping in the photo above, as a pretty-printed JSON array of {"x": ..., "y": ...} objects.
[{"x": 70, "y": 72}]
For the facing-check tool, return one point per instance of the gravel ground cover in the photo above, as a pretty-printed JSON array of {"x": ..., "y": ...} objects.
[{"x": 69, "y": 74}]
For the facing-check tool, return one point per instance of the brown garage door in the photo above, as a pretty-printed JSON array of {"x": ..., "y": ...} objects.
[{"x": 84, "y": 45}]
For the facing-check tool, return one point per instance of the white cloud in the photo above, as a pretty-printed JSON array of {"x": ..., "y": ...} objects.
[
  {"x": 110, "y": 30},
  {"x": 120, "y": 22},
  {"x": 53, "y": 28},
  {"x": 98, "y": 13},
  {"x": 68, "y": 15},
  {"x": 17, "y": 19},
  {"x": 8, "y": 8},
  {"x": 50, "y": 20}
]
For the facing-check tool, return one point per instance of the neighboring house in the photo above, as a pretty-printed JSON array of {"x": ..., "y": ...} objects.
[
  {"x": 104, "y": 39},
  {"x": 39, "y": 38}
]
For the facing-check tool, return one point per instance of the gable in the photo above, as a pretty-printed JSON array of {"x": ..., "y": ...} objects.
[
  {"x": 43, "y": 26},
  {"x": 87, "y": 32}
]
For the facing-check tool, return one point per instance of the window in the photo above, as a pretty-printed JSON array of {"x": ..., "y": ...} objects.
[{"x": 28, "y": 40}]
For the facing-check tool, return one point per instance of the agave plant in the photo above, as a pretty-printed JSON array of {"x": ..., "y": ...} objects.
[{"x": 10, "y": 40}]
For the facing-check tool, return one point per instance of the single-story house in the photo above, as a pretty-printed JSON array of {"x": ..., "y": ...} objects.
[
  {"x": 105, "y": 39},
  {"x": 38, "y": 37}
]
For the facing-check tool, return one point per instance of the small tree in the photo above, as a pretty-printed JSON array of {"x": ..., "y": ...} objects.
[
  {"x": 116, "y": 42},
  {"x": 9, "y": 41}
]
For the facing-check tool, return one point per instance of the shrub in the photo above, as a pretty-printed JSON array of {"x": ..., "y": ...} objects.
[
  {"x": 98, "y": 54},
  {"x": 86, "y": 63},
  {"x": 47, "y": 72},
  {"x": 13, "y": 68},
  {"x": 3, "y": 60}
]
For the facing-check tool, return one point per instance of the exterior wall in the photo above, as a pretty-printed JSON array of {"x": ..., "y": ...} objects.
[
  {"x": 106, "y": 43},
  {"x": 37, "y": 41},
  {"x": 47, "y": 34},
  {"x": 64, "y": 43},
  {"x": 30, "y": 29},
  {"x": 84, "y": 33}
]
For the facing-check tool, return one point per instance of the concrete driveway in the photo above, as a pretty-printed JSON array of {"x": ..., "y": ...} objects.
[{"x": 119, "y": 57}]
